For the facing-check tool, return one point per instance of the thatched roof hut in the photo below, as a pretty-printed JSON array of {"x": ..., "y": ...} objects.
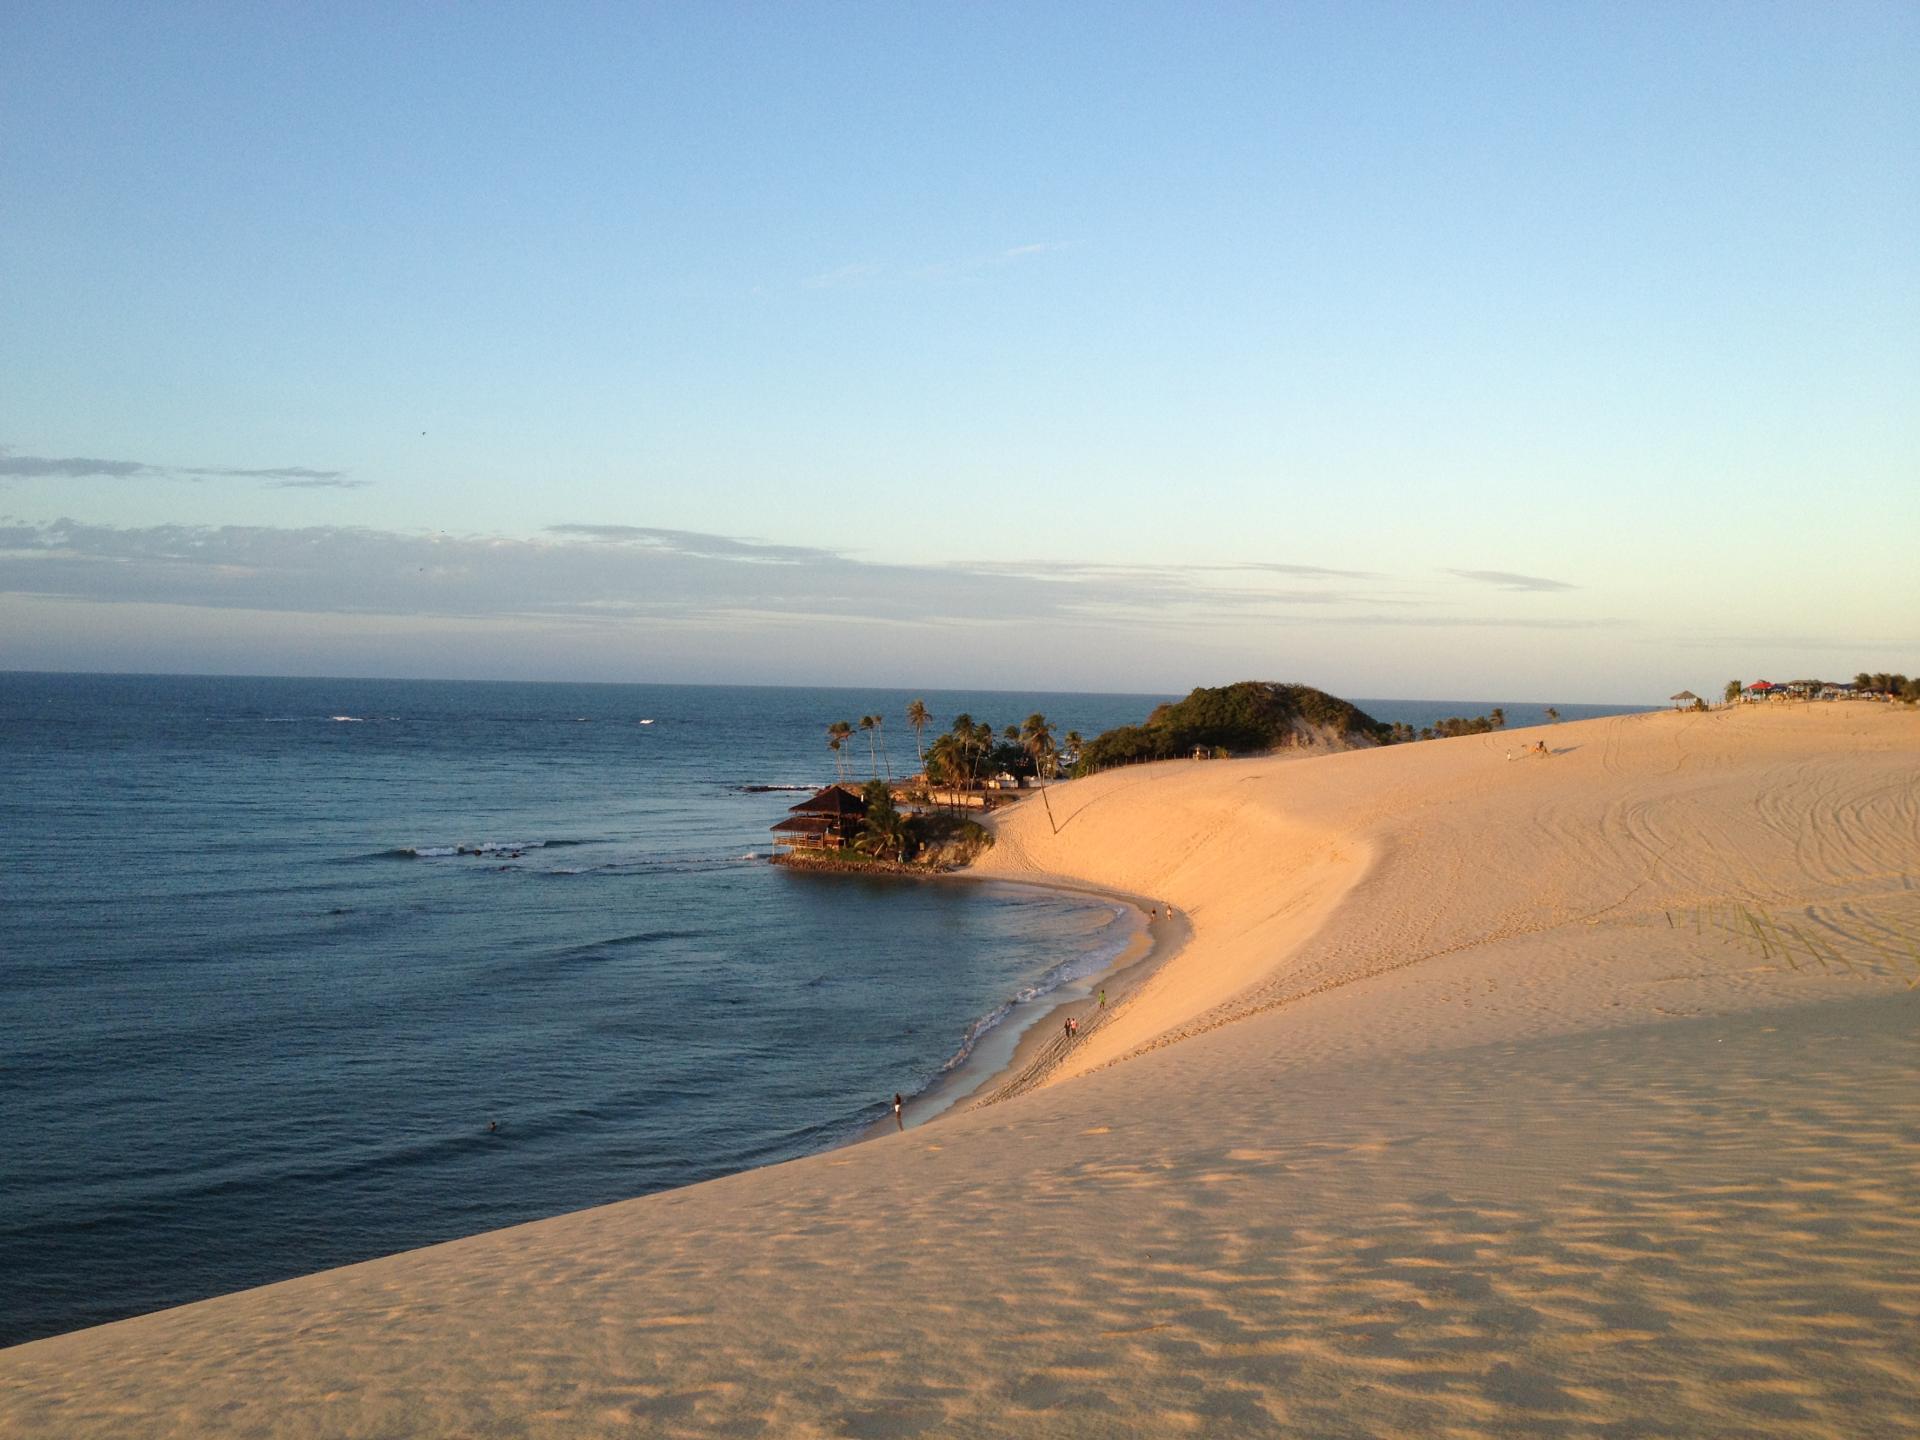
[
  {"x": 826, "y": 821},
  {"x": 835, "y": 800}
]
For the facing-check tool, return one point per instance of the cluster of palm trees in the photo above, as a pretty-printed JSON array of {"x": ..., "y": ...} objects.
[
  {"x": 840, "y": 736},
  {"x": 962, "y": 754},
  {"x": 885, "y": 833},
  {"x": 969, "y": 748},
  {"x": 1883, "y": 683}
]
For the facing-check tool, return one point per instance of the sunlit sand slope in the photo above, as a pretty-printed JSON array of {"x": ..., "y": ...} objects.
[
  {"x": 1797, "y": 828},
  {"x": 1474, "y": 1107}
]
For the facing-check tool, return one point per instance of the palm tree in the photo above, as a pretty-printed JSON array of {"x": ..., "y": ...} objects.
[
  {"x": 1011, "y": 735},
  {"x": 838, "y": 733},
  {"x": 1037, "y": 736},
  {"x": 962, "y": 734},
  {"x": 1074, "y": 742},
  {"x": 919, "y": 719},
  {"x": 947, "y": 763},
  {"x": 884, "y": 832},
  {"x": 867, "y": 723},
  {"x": 1498, "y": 717},
  {"x": 982, "y": 746}
]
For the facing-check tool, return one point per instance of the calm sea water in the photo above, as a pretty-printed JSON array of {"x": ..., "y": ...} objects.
[{"x": 274, "y": 953}]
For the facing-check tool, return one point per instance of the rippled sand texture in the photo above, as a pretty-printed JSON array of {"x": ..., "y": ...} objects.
[{"x": 1594, "y": 1172}]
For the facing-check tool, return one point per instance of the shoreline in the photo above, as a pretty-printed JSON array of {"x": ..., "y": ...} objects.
[
  {"x": 1469, "y": 1109},
  {"x": 1043, "y": 1047},
  {"x": 981, "y": 1078}
]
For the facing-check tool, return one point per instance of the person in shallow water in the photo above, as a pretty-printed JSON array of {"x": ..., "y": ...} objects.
[{"x": 899, "y": 1106}]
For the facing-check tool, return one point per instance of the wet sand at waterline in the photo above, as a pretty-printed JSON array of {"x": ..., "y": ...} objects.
[{"x": 1561, "y": 1096}]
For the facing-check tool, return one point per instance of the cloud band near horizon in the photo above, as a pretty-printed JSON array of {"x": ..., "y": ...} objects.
[
  {"x": 609, "y": 573},
  {"x": 81, "y": 467}
]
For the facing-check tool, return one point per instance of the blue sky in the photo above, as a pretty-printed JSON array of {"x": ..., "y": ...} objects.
[{"x": 1555, "y": 350}]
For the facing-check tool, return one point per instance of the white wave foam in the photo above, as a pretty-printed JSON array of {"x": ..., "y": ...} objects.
[
  {"x": 1091, "y": 962},
  {"x": 975, "y": 1031},
  {"x": 485, "y": 847}
]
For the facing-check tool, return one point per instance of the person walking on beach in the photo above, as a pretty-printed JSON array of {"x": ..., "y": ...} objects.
[
  {"x": 899, "y": 1107},
  {"x": 1103, "y": 998}
]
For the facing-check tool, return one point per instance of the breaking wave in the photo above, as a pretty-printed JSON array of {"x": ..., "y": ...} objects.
[
  {"x": 1091, "y": 962},
  {"x": 483, "y": 847}
]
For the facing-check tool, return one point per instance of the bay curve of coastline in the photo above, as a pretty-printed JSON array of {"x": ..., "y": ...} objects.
[
  {"x": 1037, "y": 1045},
  {"x": 1488, "y": 1094}
]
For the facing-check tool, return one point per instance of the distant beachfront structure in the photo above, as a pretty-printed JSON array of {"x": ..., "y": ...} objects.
[
  {"x": 827, "y": 821},
  {"x": 1862, "y": 689}
]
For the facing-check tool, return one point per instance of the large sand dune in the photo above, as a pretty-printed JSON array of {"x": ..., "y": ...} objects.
[{"x": 1564, "y": 1096}]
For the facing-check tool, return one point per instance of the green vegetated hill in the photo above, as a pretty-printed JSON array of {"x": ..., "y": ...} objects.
[{"x": 1250, "y": 717}]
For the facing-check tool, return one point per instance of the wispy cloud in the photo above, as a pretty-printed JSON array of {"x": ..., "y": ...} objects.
[
  {"x": 977, "y": 265},
  {"x": 871, "y": 273},
  {"x": 845, "y": 276},
  {"x": 77, "y": 467},
  {"x": 1479, "y": 622},
  {"x": 319, "y": 482},
  {"x": 1507, "y": 580},
  {"x": 693, "y": 542},
  {"x": 74, "y": 467},
  {"x": 1245, "y": 567},
  {"x": 285, "y": 473},
  {"x": 1305, "y": 572},
  {"x": 590, "y": 573}
]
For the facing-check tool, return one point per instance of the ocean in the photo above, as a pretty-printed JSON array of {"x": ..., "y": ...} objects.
[{"x": 275, "y": 954}]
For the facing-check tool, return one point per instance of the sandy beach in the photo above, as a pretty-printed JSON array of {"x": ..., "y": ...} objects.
[
  {"x": 1028, "y": 1043},
  {"x": 1488, "y": 1094}
]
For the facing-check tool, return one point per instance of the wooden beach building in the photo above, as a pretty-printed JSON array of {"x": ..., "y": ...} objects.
[{"x": 827, "y": 821}]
